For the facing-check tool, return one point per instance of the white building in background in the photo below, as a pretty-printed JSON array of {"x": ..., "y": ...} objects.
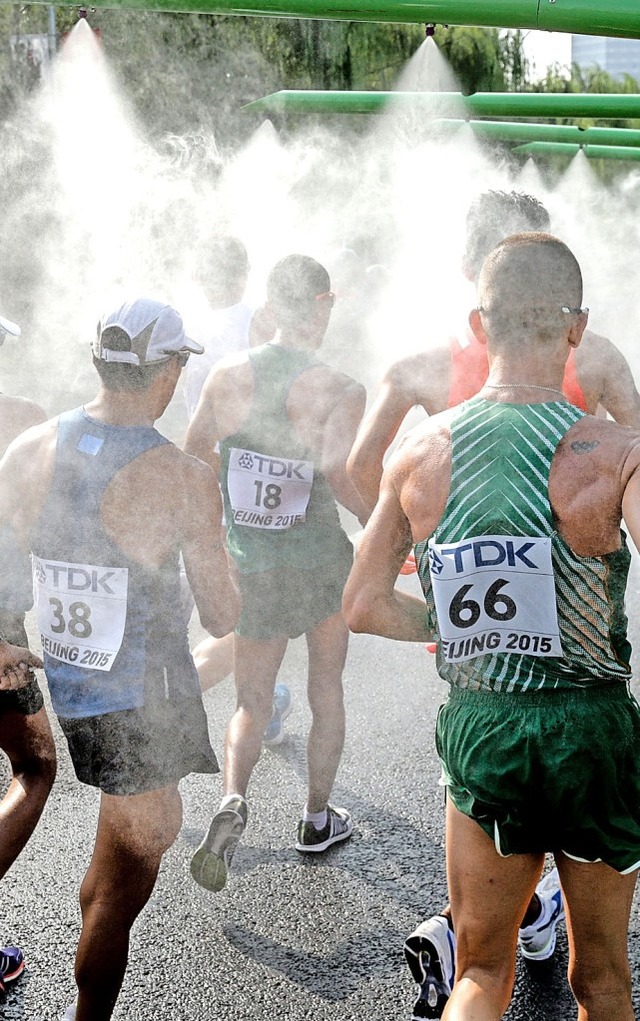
[{"x": 617, "y": 56}]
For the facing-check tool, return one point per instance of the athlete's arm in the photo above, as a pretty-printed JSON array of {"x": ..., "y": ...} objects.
[
  {"x": 630, "y": 482},
  {"x": 338, "y": 435},
  {"x": 25, "y": 472},
  {"x": 203, "y": 434},
  {"x": 619, "y": 396},
  {"x": 203, "y": 551},
  {"x": 377, "y": 432},
  {"x": 371, "y": 603}
]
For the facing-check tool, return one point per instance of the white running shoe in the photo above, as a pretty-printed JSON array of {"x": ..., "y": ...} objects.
[
  {"x": 430, "y": 953},
  {"x": 538, "y": 940}
]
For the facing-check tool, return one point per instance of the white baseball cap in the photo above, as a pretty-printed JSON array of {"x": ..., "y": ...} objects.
[{"x": 147, "y": 331}]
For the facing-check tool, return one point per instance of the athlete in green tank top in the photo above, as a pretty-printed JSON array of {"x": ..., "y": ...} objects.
[
  {"x": 279, "y": 509},
  {"x": 479, "y": 591}
]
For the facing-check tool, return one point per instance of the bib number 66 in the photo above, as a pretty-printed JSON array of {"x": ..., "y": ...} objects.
[{"x": 465, "y": 612}]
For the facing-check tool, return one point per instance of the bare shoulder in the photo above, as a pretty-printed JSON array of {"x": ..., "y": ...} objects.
[
  {"x": 321, "y": 387},
  {"x": 598, "y": 442},
  {"x": 599, "y": 357},
  {"x": 420, "y": 472},
  {"x": 427, "y": 447},
  {"x": 231, "y": 372},
  {"x": 29, "y": 441},
  {"x": 416, "y": 374},
  {"x": 17, "y": 414},
  {"x": 590, "y": 472}
]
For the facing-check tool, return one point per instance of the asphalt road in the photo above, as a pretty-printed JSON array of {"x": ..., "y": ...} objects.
[{"x": 290, "y": 936}]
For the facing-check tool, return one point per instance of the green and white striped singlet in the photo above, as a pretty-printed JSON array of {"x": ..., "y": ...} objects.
[{"x": 501, "y": 459}]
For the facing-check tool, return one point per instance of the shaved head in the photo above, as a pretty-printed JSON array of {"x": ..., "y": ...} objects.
[{"x": 524, "y": 284}]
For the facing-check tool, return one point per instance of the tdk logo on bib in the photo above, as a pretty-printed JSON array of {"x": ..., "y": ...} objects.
[
  {"x": 274, "y": 467},
  {"x": 435, "y": 563},
  {"x": 72, "y": 578},
  {"x": 484, "y": 553}
]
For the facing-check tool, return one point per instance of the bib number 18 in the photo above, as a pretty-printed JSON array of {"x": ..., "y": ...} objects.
[{"x": 269, "y": 495}]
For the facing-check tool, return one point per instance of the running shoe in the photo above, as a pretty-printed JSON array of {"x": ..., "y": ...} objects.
[
  {"x": 337, "y": 827},
  {"x": 430, "y": 953},
  {"x": 282, "y": 705},
  {"x": 210, "y": 863},
  {"x": 538, "y": 940},
  {"x": 11, "y": 965}
]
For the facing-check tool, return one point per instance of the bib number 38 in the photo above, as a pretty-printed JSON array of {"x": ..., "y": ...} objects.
[{"x": 81, "y": 611}]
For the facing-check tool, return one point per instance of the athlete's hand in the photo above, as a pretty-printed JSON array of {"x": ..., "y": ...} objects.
[
  {"x": 409, "y": 566},
  {"x": 15, "y": 666}
]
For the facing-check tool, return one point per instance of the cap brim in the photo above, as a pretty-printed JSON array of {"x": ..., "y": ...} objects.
[
  {"x": 8, "y": 327},
  {"x": 192, "y": 346}
]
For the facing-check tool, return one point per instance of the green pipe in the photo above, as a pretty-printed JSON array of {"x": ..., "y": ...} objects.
[
  {"x": 508, "y": 131},
  {"x": 594, "y": 152},
  {"x": 586, "y": 17},
  {"x": 483, "y": 104}
]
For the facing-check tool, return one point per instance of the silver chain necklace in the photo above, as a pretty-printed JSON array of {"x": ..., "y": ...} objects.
[{"x": 522, "y": 386}]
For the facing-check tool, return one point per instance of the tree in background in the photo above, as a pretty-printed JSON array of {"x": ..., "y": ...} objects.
[{"x": 190, "y": 74}]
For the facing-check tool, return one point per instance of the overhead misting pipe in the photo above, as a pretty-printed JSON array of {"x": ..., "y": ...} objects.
[
  {"x": 512, "y": 131},
  {"x": 450, "y": 104},
  {"x": 583, "y": 17},
  {"x": 593, "y": 152}
]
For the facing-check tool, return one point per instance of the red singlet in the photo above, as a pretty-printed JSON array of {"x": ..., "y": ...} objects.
[{"x": 470, "y": 370}]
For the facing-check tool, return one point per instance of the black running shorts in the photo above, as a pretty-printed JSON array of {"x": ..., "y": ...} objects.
[{"x": 139, "y": 750}]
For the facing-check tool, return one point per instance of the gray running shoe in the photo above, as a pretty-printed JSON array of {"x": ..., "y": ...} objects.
[
  {"x": 337, "y": 827},
  {"x": 282, "y": 706},
  {"x": 210, "y": 863},
  {"x": 430, "y": 953},
  {"x": 538, "y": 940}
]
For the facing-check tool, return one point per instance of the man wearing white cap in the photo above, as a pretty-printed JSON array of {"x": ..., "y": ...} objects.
[
  {"x": 25, "y": 733},
  {"x": 106, "y": 505}
]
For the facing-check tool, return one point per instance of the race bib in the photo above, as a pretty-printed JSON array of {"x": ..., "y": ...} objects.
[
  {"x": 81, "y": 611},
  {"x": 268, "y": 492},
  {"x": 495, "y": 593}
]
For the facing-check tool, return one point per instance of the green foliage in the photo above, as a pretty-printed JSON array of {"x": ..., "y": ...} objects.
[
  {"x": 476, "y": 57},
  {"x": 191, "y": 74}
]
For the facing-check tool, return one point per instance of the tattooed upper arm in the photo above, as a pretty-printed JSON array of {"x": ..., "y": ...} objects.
[{"x": 584, "y": 446}]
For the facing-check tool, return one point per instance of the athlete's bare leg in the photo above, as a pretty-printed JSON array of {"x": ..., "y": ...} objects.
[
  {"x": 327, "y": 645},
  {"x": 598, "y": 904},
  {"x": 214, "y": 660},
  {"x": 133, "y": 834},
  {"x": 489, "y": 895},
  {"x": 28, "y": 743},
  {"x": 257, "y": 663}
]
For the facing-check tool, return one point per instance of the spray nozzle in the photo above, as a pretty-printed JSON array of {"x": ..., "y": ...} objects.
[{"x": 429, "y": 31}]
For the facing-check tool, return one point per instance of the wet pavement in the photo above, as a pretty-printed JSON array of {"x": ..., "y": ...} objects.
[{"x": 290, "y": 936}]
